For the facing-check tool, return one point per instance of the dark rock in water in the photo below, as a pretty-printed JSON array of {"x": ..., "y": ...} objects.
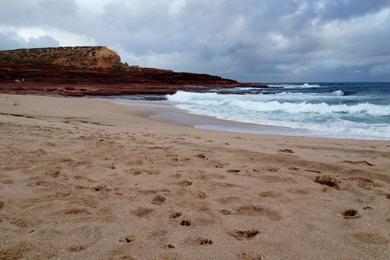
[{"x": 83, "y": 71}]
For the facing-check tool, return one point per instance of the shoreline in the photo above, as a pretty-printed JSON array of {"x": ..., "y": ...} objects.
[
  {"x": 166, "y": 112},
  {"x": 87, "y": 178}
]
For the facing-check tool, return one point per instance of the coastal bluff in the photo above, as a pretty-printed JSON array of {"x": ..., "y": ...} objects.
[{"x": 79, "y": 71}]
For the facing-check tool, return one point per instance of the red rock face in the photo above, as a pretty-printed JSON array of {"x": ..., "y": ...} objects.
[{"x": 79, "y": 71}]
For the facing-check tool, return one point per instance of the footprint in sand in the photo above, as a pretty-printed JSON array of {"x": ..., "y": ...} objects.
[
  {"x": 168, "y": 246},
  {"x": 270, "y": 194},
  {"x": 176, "y": 215},
  {"x": 225, "y": 212},
  {"x": 244, "y": 234},
  {"x": 186, "y": 222},
  {"x": 185, "y": 183},
  {"x": 250, "y": 256},
  {"x": 76, "y": 248},
  {"x": 370, "y": 238},
  {"x": 198, "y": 241},
  {"x": 286, "y": 151},
  {"x": 233, "y": 171},
  {"x": 259, "y": 211},
  {"x": 351, "y": 214},
  {"x": 364, "y": 183},
  {"x": 127, "y": 239},
  {"x": 77, "y": 211},
  {"x": 200, "y": 195},
  {"x": 142, "y": 212},
  {"x": 158, "y": 200},
  {"x": 201, "y": 156}
]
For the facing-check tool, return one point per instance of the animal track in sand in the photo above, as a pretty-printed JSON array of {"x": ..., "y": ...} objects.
[
  {"x": 244, "y": 234},
  {"x": 351, "y": 214},
  {"x": 158, "y": 200}
]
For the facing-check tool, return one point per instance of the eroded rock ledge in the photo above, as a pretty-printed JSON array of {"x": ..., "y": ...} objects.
[{"x": 79, "y": 71}]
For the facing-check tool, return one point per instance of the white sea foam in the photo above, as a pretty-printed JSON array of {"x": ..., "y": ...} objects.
[
  {"x": 291, "y": 86},
  {"x": 292, "y": 110},
  {"x": 305, "y": 107},
  {"x": 338, "y": 93}
]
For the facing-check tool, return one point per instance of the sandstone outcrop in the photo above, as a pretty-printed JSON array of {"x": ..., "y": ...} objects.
[{"x": 79, "y": 71}]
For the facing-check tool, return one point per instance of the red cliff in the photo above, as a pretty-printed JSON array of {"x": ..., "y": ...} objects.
[{"x": 78, "y": 71}]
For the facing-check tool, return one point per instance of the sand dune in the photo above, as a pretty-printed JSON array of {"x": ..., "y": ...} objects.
[{"x": 87, "y": 179}]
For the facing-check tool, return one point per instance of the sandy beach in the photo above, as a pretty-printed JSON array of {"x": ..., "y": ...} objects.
[{"x": 89, "y": 179}]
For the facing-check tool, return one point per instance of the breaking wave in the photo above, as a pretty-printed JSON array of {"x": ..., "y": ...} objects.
[{"x": 327, "y": 114}]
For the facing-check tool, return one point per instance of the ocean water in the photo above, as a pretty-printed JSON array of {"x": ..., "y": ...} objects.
[{"x": 334, "y": 110}]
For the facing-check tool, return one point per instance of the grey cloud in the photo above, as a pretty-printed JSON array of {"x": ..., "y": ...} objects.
[
  {"x": 10, "y": 40},
  {"x": 250, "y": 40}
]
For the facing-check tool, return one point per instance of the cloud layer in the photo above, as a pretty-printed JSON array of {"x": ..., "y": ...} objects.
[{"x": 248, "y": 40}]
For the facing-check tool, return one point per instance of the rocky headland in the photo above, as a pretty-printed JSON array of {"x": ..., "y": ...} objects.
[{"x": 80, "y": 71}]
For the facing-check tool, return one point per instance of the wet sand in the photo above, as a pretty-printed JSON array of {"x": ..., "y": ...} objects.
[{"x": 89, "y": 179}]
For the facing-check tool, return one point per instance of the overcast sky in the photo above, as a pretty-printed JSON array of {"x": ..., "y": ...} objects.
[{"x": 247, "y": 40}]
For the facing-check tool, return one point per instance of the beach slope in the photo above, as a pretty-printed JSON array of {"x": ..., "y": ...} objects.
[{"x": 84, "y": 178}]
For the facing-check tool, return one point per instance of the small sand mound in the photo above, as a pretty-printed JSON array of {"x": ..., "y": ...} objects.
[{"x": 328, "y": 181}]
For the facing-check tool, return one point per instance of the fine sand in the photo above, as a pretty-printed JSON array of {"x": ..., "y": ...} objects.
[{"x": 88, "y": 179}]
